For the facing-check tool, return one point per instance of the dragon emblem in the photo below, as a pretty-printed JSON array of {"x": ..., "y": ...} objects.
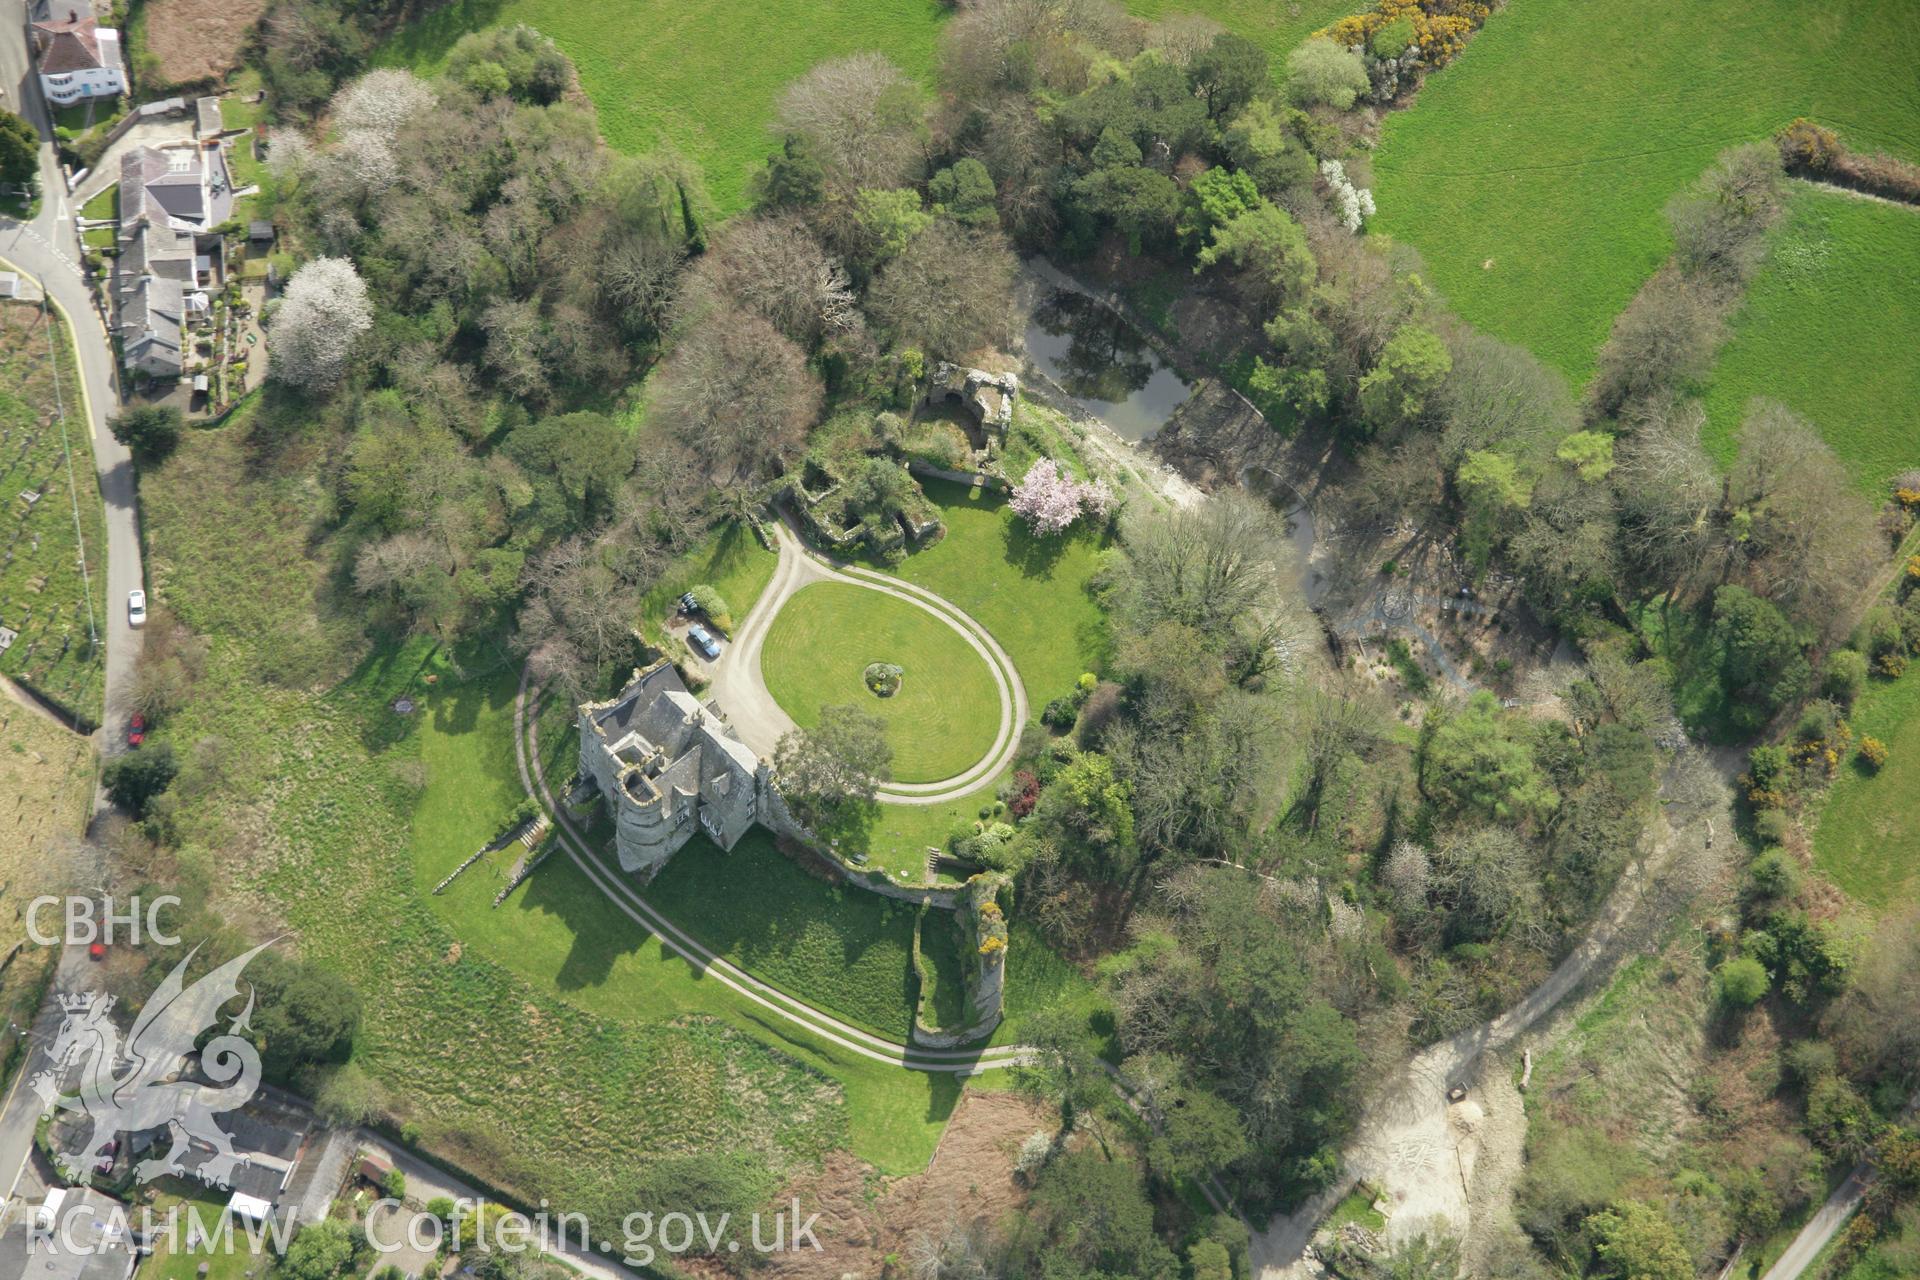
[{"x": 132, "y": 1087}]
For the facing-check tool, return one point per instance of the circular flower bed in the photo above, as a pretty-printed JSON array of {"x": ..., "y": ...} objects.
[{"x": 883, "y": 679}]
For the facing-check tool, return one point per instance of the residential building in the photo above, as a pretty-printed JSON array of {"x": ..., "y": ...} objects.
[
  {"x": 171, "y": 200},
  {"x": 77, "y": 58}
]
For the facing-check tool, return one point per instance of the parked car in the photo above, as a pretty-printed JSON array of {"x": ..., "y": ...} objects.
[
  {"x": 688, "y": 604},
  {"x": 702, "y": 639},
  {"x": 105, "y": 1163},
  {"x": 136, "y": 730},
  {"x": 136, "y": 608}
]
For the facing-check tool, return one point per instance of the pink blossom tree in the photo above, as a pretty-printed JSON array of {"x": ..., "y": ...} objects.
[{"x": 1050, "y": 499}]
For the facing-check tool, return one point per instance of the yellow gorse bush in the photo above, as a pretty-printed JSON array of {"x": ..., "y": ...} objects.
[{"x": 1440, "y": 27}]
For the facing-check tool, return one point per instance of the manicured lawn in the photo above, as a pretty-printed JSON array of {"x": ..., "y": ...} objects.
[
  {"x": 1828, "y": 330},
  {"x": 702, "y": 78},
  {"x": 1031, "y": 593},
  {"x": 898, "y": 836},
  {"x": 1531, "y": 173},
  {"x": 731, "y": 561},
  {"x": 106, "y": 206},
  {"x": 1869, "y": 826},
  {"x": 171, "y": 1259},
  {"x": 45, "y": 597},
  {"x": 945, "y": 715}
]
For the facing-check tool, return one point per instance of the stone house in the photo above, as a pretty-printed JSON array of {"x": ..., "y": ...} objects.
[
  {"x": 171, "y": 199},
  {"x": 77, "y": 58},
  {"x": 666, "y": 766}
]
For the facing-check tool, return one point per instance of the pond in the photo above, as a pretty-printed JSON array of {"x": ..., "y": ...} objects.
[
  {"x": 1103, "y": 363},
  {"x": 1300, "y": 531}
]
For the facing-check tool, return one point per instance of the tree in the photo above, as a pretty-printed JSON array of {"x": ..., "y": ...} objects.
[
  {"x": 1208, "y": 565},
  {"x": 19, "y": 150},
  {"x": 794, "y": 177},
  {"x": 1064, "y": 1070},
  {"x": 1762, "y": 666},
  {"x": 303, "y": 1014},
  {"x": 133, "y": 780},
  {"x": 347, "y": 1096},
  {"x": 948, "y": 292},
  {"x": 1589, "y": 453},
  {"x": 1845, "y": 678},
  {"x": 1198, "y": 1133},
  {"x": 1495, "y": 494},
  {"x": 1050, "y": 498},
  {"x": 1095, "y": 1220},
  {"x": 1320, "y": 73},
  {"x": 1740, "y": 982},
  {"x": 883, "y": 224},
  {"x": 1875, "y": 1025},
  {"x": 1488, "y": 880},
  {"x": 1471, "y": 762},
  {"x": 738, "y": 393},
  {"x": 1638, "y": 1241},
  {"x": 862, "y": 115},
  {"x": 777, "y": 267},
  {"x": 518, "y": 59},
  {"x": 321, "y": 1251},
  {"x": 1270, "y": 250},
  {"x": 1209, "y": 1260},
  {"x": 1141, "y": 203},
  {"x": 964, "y": 192},
  {"x": 150, "y": 430},
  {"x": 320, "y": 319},
  {"x": 1228, "y": 73},
  {"x": 841, "y": 761},
  {"x": 1412, "y": 366},
  {"x": 1664, "y": 340}
]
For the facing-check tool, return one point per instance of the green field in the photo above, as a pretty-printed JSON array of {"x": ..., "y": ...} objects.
[
  {"x": 1531, "y": 174},
  {"x": 701, "y": 78},
  {"x": 946, "y": 713},
  {"x": 53, "y": 606},
  {"x": 1828, "y": 329},
  {"x": 1869, "y": 826}
]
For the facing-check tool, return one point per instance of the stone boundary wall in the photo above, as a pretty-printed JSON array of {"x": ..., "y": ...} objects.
[{"x": 968, "y": 478}]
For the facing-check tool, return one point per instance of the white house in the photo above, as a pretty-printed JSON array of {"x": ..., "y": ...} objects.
[{"x": 78, "y": 59}]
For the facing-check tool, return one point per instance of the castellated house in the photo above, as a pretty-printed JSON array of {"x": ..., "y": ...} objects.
[{"x": 667, "y": 767}]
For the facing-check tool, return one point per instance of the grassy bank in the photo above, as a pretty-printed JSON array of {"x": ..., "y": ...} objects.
[
  {"x": 53, "y": 579},
  {"x": 1828, "y": 330}
]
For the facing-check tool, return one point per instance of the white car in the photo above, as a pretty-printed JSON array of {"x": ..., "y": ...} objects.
[{"x": 136, "y": 608}]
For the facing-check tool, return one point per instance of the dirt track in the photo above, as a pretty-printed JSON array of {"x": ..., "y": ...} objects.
[{"x": 1420, "y": 1150}]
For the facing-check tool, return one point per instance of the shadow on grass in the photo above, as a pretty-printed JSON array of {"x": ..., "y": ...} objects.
[{"x": 601, "y": 934}]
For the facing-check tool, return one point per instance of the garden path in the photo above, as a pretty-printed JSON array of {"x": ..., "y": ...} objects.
[{"x": 749, "y": 707}]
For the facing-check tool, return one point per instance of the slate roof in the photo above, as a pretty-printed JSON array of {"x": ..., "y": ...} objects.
[{"x": 69, "y": 43}]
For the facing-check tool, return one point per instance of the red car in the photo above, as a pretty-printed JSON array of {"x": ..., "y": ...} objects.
[{"x": 136, "y": 730}]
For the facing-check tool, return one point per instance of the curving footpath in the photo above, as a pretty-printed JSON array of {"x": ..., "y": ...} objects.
[
  {"x": 786, "y": 1008},
  {"x": 759, "y": 720}
]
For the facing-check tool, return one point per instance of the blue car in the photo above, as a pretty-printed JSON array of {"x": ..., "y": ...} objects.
[{"x": 702, "y": 639}]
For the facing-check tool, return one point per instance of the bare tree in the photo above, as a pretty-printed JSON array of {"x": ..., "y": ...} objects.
[
  {"x": 381, "y": 102},
  {"x": 863, "y": 116},
  {"x": 949, "y": 292},
  {"x": 777, "y": 268},
  {"x": 1808, "y": 535},
  {"x": 1668, "y": 490},
  {"x": 739, "y": 393},
  {"x": 322, "y": 316},
  {"x": 1664, "y": 339}
]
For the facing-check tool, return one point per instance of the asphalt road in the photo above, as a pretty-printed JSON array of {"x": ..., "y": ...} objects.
[{"x": 48, "y": 248}]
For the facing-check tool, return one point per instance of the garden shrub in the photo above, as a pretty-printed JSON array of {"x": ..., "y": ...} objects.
[
  {"x": 714, "y": 605},
  {"x": 1060, "y": 714},
  {"x": 1770, "y": 826},
  {"x": 1846, "y": 676},
  {"x": 1740, "y": 982}
]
